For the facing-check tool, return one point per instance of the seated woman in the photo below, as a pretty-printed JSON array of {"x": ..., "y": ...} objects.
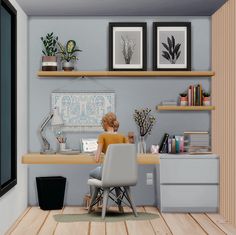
[{"x": 110, "y": 136}]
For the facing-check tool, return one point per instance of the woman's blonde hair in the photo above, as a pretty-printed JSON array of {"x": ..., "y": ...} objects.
[{"x": 111, "y": 120}]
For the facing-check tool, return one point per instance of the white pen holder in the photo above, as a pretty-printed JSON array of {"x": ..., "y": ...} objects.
[{"x": 62, "y": 146}]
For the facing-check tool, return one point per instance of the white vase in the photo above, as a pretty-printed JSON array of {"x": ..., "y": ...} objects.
[{"x": 141, "y": 145}]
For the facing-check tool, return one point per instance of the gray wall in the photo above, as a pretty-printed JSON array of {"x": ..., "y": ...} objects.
[{"x": 91, "y": 34}]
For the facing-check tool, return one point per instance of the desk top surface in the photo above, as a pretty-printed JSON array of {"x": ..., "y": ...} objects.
[{"x": 37, "y": 158}]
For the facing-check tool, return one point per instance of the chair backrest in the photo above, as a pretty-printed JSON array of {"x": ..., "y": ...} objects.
[{"x": 120, "y": 166}]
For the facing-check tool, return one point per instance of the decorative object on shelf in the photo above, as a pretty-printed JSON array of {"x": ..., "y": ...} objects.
[
  {"x": 155, "y": 149},
  {"x": 145, "y": 122},
  {"x": 197, "y": 142},
  {"x": 127, "y": 46},
  {"x": 206, "y": 99},
  {"x": 171, "y": 46},
  {"x": 183, "y": 99},
  {"x": 195, "y": 95},
  {"x": 83, "y": 111},
  {"x": 61, "y": 141},
  {"x": 68, "y": 55},
  {"x": 49, "y": 60},
  {"x": 131, "y": 137},
  {"x": 56, "y": 121},
  {"x": 169, "y": 103}
]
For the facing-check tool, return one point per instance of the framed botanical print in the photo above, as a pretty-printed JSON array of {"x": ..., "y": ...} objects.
[
  {"x": 171, "y": 46},
  {"x": 127, "y": 46}
]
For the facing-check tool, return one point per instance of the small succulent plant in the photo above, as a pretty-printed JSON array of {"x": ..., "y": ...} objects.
[
  {"x": 206, "y": 94},
  {"x": 184, "y": 94},
  {"x": 144, "y": 120},
  {"x": 49, "y": 43},
  {"x": 172, "y": 52},
  {"x": 68, "y": 52}
]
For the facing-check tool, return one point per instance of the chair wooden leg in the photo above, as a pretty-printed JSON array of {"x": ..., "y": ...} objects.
[
  {"x": 118, "y": 194},
  {"x": 94, "y": 196},
  {"x": 105, "y": 200},
  {"x": 128, "y": 194}
]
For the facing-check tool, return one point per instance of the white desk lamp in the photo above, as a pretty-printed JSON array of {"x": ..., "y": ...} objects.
[{"x": 56, "y": 120}]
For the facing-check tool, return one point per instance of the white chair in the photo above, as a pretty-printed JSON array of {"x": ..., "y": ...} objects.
[{"x": 119, "y": 173}]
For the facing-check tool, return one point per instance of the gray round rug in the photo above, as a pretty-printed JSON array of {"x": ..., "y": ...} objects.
[{"x": 111, "y": 216}]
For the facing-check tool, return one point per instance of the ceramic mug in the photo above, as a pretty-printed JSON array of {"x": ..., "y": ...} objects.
[{"x": 62, "y": 146}]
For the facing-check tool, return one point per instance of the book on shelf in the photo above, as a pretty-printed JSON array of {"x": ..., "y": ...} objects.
[
  {"x": 164, "y": 143},
  {"x": 195, "y": 95},
  {"x": 172, "y": 144},
  {"x": 197, "y": 142},
  {"x": 169, "y": 103}
]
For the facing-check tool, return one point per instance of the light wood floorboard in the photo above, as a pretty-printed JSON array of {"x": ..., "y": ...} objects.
[
  {"x": 222, "y": 223},
  {"x": 97, "y": 228},
  {"x": 50, "y": 224},
  {"x": 35, "y": 221},
  {"x": 182, "y": 224},
  {"x": 74, "y": 228},
  {"x": 31, "y": 223},
  {"x": 13, "y": 227},
  {"x": 159, "y": 225},
  {"x": 139, "y": 227},
  {"x": 207, "y": 224}
]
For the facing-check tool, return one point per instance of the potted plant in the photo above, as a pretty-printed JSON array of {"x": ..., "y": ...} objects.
[
  {"x": 145, "y": 122},
  {"x": 183, "y": 99},
  {"x": 68, "y": 55},
  {"x": 49, "y": 60},
  {"x": 206, "y": 99}
]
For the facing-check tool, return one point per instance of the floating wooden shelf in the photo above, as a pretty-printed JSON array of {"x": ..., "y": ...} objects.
[
  {"x": 37, "y": 158},
  {"x": 125, "y": 74},
  {"x": 185, "y": 108}
]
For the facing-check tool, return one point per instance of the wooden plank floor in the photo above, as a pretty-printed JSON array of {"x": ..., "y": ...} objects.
[{"x": 35, "y": 221}]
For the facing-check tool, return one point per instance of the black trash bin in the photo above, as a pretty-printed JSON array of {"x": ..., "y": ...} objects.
[{"x": 51, "y": 191}]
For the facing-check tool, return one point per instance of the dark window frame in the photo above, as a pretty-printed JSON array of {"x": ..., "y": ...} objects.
[{"x": 4, "y": 188}]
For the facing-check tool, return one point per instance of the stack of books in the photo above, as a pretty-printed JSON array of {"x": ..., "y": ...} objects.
[
  {"x": 195, "y": 97},
  {"x": 197, "y": 142},
  {"x": 169, "y": 103},
  {"x": 172, "y": 144}
]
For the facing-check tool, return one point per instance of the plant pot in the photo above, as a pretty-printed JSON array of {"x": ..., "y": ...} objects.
[
  {"x": 206, "y": 101},
  {"x": 68, "y": 66},
  {"x": 49, "y": 63},
  {"x": 183, "y": 101}
]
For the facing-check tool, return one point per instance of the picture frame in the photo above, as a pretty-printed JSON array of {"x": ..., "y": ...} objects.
[
  {"x": 127, "y": 46},
  {"x": 171, "y": 46},
  {"x": 83, "y": 110}
]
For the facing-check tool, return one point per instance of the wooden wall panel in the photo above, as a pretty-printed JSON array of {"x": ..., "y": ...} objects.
[{"x": 224, "y": 98}]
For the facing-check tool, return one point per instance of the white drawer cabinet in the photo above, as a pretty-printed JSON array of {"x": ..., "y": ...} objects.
[{"x": 188, "y": 183}]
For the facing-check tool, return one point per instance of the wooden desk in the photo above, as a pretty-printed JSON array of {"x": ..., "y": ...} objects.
[{"x": 37, "y": 158}]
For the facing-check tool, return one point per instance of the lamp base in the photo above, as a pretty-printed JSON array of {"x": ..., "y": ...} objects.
[{"x": 47, "y": 152}]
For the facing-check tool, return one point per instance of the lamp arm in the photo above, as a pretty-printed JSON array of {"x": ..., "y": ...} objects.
[
  {"x": 46, "y": 145},
  {"x": 49, "y": 117}
]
